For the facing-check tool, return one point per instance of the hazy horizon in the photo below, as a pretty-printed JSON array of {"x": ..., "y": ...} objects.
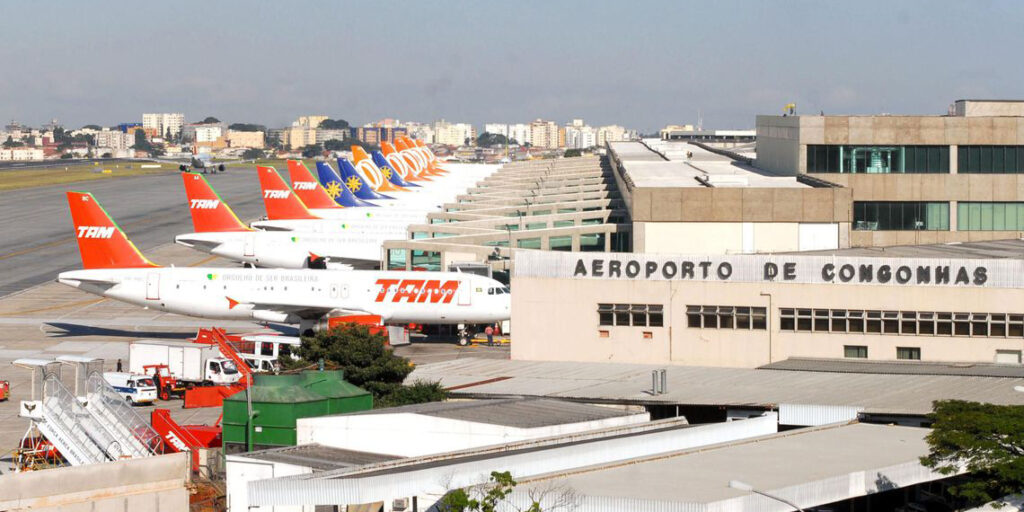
[{"x": 640, "y": 65}]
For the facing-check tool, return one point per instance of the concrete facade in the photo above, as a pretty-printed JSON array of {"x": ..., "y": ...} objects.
[
  {"x": 154, "y": 483},
  {"x": 782, "y": 148},
  {"x": 542, "y": 315}
]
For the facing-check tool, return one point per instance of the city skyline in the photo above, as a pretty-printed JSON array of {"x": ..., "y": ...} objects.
[{"x": 608, "y": 64}]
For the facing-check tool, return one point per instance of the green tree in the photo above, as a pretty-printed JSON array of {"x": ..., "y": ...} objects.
[
  {"x": 569, "y": 153},
  {"x": 11, "y": 143},
  {"x": 247, "y": 127},
  {"x": 364, "y": 356},
  {"x": 210, "y": 119},
  {"x": 416, "y": 393},
  {"x": 252, "y": 154},
  {"x": 92, "y": 127},
  {"x": 66, "y": 156},
  {"x": 493, "y": 496},
  {"x": 312, "y": 151},
  {"x": 986, "y": 440},
  {"x": 335, "y": 145},
  {"x": 333, "y": 124},
  {"x": 140, "y": 141},
  {"x": 488, "y": 139}
]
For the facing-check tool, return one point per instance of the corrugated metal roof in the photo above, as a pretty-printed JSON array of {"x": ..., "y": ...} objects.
[
  {"x": 693, "y": 385},
  {"x": 515, "y": 412},
  {"x": 318, "y": 457},
  {"x": 898, "y": 367}
]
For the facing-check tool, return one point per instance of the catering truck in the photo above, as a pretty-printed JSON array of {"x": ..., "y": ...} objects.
[{"x": 189, "y": 363}]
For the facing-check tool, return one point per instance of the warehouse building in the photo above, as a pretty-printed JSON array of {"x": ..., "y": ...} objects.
[{"x": 941, "y": 303}]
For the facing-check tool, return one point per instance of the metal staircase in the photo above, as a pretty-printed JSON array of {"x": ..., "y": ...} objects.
[
  {"x": 97, "y": 426},
  {"x": 133, "y": 434}
]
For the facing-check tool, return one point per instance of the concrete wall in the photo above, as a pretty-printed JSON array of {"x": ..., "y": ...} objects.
[
  {"x": 699, "y": 204},
  {"x": 778, "y": 144},
  {"x": 154, "y": 483},
  {"x": 973, "y": 108},
  {"x": 553, "y": 329},
  {"x": 242, "y": 470},
  {"x": 731, "y": 237},
  {"x": 412, "y": 435}
]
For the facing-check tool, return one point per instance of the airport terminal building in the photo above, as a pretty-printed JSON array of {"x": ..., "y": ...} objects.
[{"x": 945, "y": 303}]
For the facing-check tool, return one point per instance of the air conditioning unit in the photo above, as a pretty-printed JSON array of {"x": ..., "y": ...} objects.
[{"x": 400, "y": 504}]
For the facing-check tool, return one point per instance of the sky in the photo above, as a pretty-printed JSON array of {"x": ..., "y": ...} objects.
[{"x": 638, "y": 64}]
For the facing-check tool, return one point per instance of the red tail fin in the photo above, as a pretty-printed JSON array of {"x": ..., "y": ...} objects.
[
  {"x": 100, "y": 240},
  {"x": 209, "y": 211},
  {"x": 278, "y": 197},
  {"x": 308, "y": 188}
]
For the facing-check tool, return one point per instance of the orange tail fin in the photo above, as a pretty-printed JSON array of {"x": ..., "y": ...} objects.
[
  {"x": 308, "y": 188},
  {"x": 100, "y": 240},
  {"x": 209, "y": 212},
  {"x": 278, "y": 197}
]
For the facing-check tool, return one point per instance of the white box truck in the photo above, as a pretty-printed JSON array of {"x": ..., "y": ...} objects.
[{"x": 192, "y": 363}]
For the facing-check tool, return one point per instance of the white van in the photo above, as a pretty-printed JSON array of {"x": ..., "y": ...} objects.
[
  {"x": 134, "y": 388},
  {"x": 260, "y": 364}
]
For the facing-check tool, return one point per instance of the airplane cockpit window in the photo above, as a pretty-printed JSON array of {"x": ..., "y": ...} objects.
[{"x": 490, "y": 291}]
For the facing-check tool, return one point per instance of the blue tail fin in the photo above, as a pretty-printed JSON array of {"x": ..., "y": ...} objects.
[
  {"x": 356, "y": 183},
  {"x": 336, "y": 187},
  {"x": 393, "y": 177}
]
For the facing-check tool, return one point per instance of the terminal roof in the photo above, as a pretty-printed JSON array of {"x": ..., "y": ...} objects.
[
  {"x": 515, "y": 412},
  {"x": 899, "y": 367},
  {"x": 995, "y": 249},
  {"x": 876, "y": 393},
  {"x": 674, "y": 164},
  {"x": 318, "y": 457},
  {"x": 779, "y": 463}
]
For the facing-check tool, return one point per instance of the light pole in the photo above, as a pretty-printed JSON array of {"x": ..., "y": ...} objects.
[{"x": 743, "y": 486}]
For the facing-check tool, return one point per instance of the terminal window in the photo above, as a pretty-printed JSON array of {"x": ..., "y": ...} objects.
[
  {"x": 726, "y": 317},
  {"x": 877, "y": 159},
  {"x": 905, "y": 323},
  {"x": 909, "y": 353},
  {"x": 631, "y": 315},
  {"x": 990, "y": 159},
  {"x": 900, "y": 216},
  {"x": 989, "y": 216},
  {"x": 855, "y": 351}
]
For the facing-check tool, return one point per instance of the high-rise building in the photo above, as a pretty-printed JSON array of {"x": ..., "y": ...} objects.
[
  {"x": 309, "y": 121},
  {"x": 421, "y": 131},
  {"x": 580, "y": 136},
  {"x": 453, "y": 134},
  {"x": 114, "y": 139},
  {"x": 610, "y": 133},
  {"x": 544, "y": 134},
  {"x": 163, "y": 124},
  {"x": 240, "y": 139}
]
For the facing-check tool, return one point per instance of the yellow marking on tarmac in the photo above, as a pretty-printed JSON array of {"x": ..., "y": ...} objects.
[
  {"x": 87, "y": 302},
  {"x": 204, "y": 260}
]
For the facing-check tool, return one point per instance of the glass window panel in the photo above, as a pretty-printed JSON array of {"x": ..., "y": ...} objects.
[
  {"x": 943, "y": 159},
  {"x": 593, "y": 242},
  {"x": 974, "y": 164},
  {"x": 997, "y": 159},
  {"x": 560, "y": 243},
  {"x": 986, "y": 216},
  {"x": 693, "y": 316},
  {"x": 912, "y": 353},
  {"x": 998, "y": 216},
  {"x": 855, "y": 351},
  {"x": 536, "y": 225},
  {"x": 528, "y": 243},
  {"x": 396, "y": 259},
  {"x": 562, "y": 224}
]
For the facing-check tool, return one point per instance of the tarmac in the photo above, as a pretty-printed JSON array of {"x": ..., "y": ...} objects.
[{"x": 43, "y": 319}]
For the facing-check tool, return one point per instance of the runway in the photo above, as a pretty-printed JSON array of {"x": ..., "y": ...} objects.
[{"x": 38, "y": 237}]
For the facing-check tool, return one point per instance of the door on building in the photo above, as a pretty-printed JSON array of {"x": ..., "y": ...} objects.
[{"x": 153, "y": 286}]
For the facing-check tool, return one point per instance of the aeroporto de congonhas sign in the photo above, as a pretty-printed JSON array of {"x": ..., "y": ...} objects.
[{"x": 752, "y": 268}]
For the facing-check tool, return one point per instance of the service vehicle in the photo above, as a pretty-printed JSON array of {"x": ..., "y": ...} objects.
[{"x": 133, "y": 387}]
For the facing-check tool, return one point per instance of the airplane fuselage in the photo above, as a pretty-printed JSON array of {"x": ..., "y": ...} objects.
[{"x": 296, "y": 296}]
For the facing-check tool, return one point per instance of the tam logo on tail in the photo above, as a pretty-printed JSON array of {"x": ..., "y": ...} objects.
[
  {"x": 304, "y": 185},
  {"x": 204, "y": 204},
  {"x": 95, "y": 231},
  {"x": 276, "y": 194}
]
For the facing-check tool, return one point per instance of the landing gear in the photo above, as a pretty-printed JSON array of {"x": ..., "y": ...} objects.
[{"x": 463, "y": 335}]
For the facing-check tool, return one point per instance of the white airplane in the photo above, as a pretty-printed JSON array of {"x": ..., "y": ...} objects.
[
  {"x": 114, "y": 268},
  {"x": 218, "y": 231},
  {"x": 285, "y": 210}
]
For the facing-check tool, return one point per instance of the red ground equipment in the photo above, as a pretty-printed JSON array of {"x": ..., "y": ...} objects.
[
  {"x": 181, "y": 438},
  {"x": 213, "y": 396},
  {"x": 166, "y": 385},
  {"x": 5, "y": 390}
]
